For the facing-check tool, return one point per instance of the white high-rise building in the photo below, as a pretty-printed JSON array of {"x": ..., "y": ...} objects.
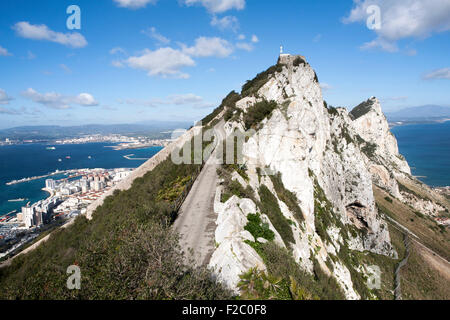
[
  {"x": 28, "y": 216},
  {"x": 50, "y": 184}
]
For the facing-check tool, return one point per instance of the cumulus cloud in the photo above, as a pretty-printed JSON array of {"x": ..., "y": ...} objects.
[
  {"x": 4, "y": 98},
  {"x": 403, "y": 19},
  {"x": 209, "y": 47},
  {"x": 57, "y": 101},
  {"x": 4, "y": 52},
  {"x": 168, "y": 62},
  {"x": 443, "y": 73},
  {"x": 165, "y": 62},
  {"x": 152, "y": 33},
  {"x": 218, "y": 6},
  {"x": 244, "y": 46},
  {"x": 255, "y": 39},
  {"x": 41, "y": 32},
  {"x": 134, "y": 4},
  {"x": 228, "y": 22}
]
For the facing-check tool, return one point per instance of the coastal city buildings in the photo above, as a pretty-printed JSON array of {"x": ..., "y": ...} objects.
[{"x": 68, "y": 198}]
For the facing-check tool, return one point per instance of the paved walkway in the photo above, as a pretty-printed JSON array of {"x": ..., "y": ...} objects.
[{"x": 196, "y": 222}]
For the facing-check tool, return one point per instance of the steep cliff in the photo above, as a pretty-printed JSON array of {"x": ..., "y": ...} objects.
[{"x": 308, "y": 170}]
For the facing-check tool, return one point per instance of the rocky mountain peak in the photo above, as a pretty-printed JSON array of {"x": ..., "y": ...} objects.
[{"x": 319, "y": 155}]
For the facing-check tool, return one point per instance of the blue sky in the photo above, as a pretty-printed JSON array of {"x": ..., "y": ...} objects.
[{"x": 137, "y": 60}]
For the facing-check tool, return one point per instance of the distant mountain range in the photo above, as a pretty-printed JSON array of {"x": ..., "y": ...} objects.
[
  {"x": 427, "y": 113},
  {"x": 155, "y": 129}
]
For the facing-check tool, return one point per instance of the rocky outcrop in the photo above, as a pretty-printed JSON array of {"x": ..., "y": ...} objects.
[{"x": 319, "y": 152}]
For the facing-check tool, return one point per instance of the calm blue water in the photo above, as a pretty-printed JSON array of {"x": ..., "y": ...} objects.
[
  {"x": 426, "y": 147},
  {"x": 23, "y": 161}
]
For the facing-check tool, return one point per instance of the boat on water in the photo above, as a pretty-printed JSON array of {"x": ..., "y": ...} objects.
[
  {"x": 68, "y": 157},
  {"x": 59, "y": 160},
  {"x": 17, "y": 200},
  {"x": 89, "y": 157},
  {"x": 51, "y": 148}
]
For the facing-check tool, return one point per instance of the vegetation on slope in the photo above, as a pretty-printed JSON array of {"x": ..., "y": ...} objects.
[
  {"x": 288, "y": 197},
  {"x": 229, "y": 103},
  {"x": 361, "y": 109},
  {"x": 127, "y": 251},
  {"x": 269, "y": 206},
  {"x": 258, "y": 112},
  {"x": 251, "y": 87},
  {"x": 286, "y": 280}
]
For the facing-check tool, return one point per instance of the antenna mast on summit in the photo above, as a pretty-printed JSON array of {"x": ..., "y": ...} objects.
[{"x": 281, "y": 49}]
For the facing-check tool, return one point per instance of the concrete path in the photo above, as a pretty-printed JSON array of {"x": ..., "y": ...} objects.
[{"x": 196, "y": 222}]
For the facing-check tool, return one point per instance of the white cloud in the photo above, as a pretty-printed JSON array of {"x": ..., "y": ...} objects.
[
  {"x": 255, "y": 39},
  {"x": 403, "y": 19},
  {"x": 380, "y": 43},
  {"x": 42, "y": 32},
  {"x": 228, "y": 22},
  {"x": 4, "y": 52},
  {"x": 218, "y": 6},
  {"x": 244, "y": 46},
  {"x": 65, "y": 68},
  {"x": 117, "y": 50},
  {"x": 209, "y": 47},
  {"x": 117, "y": 64},
  {"x": 241, "y": 37},
  {"x": 4, "y": 98},
  {"x": 175, "y": 100},
  {"x": 57, "y": 101},
  {"x": 165, "y": 62},
  {"x": 169, "y": 62},
  {"x": 443, "y": 73},
  {"x": 317, "y": 38},
  {"x": 134, "y": 4},
  {"x": 152, "y": 33},
  {"x": 325, "y": 86}
]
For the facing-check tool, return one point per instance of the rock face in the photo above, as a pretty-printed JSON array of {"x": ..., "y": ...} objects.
[{"x": 328, "y": 158}]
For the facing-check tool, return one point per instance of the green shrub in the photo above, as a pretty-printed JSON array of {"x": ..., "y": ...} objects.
[
  {"x": 298, "y": 61},
  {"x": 289, "y": 198},
  {"x": 258, "y": 113},
  {"x": 361, "y": 109},
  {"x": 269, "y": 206},
  {"x": 257, "y": 228},
  {"x": 369, "y": 149},
  {"x": 251, "y": 87}
]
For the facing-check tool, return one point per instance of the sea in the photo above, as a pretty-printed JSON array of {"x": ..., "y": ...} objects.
[
  {"x": 31, "y": 160},
  {"x": 426, "y": 147}
]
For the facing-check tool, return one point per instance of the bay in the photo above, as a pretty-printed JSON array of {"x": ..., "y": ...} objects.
[{"x": 29, "y": 160}]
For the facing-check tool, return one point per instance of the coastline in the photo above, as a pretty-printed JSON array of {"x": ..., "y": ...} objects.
[{"x": 406, "y": 123}]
